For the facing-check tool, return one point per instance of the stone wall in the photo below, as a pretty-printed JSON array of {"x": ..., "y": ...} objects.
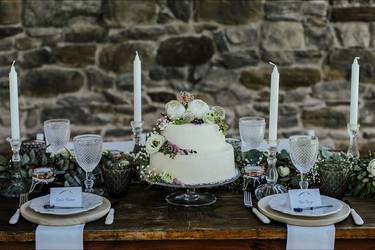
[{"x": 75, "y": 61}]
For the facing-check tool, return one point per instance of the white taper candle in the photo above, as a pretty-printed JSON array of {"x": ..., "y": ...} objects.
[
  {"x": 14, "y": 112},
  {"x": 354, "y": 93},
  {"x": 137, "y": 88},
  {"x": 274, "y": 103}
]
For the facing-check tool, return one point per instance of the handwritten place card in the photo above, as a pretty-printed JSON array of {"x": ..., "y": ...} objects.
[
  {"x": 302, "y": 198},
  {"x": 66, "y": 197}
]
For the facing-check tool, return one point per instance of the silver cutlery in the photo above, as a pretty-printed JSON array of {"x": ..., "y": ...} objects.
[
  {"x": 48, "y": 206},
  {"x": 356, "y": 217},
  {"x": 298, "y": 209},
  {"x": 249, "y": 204},
  {"x": 24, "y": 197},
  {"x": 111, "y": 214}
]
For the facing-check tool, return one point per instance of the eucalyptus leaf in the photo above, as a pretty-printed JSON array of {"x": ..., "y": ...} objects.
[{"x": 25, "y": 159}]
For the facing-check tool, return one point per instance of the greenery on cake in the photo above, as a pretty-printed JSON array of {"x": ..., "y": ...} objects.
[{"x": 186, "y": 109}]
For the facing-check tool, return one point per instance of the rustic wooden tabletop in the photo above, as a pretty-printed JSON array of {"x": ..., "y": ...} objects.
[{"x": 145, "y": 216}]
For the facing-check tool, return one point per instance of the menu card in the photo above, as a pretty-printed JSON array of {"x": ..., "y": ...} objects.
[
  {"x": 66, "y": 197},
  {"x": 303, "y": 198}
]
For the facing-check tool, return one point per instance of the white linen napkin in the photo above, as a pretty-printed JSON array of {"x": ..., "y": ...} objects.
[
  {"x": 59, "y": 237},
  {"x": 310, "y": 238}
]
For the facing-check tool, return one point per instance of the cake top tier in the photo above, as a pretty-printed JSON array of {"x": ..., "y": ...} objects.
[
  {"x": 189, "y": 125},
  {"x": 202, "y": 138}
]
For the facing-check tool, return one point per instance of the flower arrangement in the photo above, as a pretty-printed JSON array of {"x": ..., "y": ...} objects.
[{"x": 362, "y": 179}]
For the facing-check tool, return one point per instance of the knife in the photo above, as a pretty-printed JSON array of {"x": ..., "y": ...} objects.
[
  {"x": 356, "y": 217},
  {"x": 111, "y": 214}
]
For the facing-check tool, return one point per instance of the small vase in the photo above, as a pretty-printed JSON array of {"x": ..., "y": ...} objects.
[
  {"x": 117, "y": 181},
  {"x": 334, "y": 178}
]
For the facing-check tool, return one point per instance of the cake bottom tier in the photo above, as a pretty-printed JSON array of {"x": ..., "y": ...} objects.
[{"x": 197, "y": 168}]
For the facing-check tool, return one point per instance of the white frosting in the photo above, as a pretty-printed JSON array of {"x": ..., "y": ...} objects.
[
  {"x": 197, "y": 168},
  {"x": 201, "y": 137}
]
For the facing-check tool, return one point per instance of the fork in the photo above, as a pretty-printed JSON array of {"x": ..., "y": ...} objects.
[
  {"x": 249, "y": 204},
  {"x": 24, "y": 197}
]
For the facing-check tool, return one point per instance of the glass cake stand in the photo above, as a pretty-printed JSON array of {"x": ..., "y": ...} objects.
[{"x": 190, "y": 197}]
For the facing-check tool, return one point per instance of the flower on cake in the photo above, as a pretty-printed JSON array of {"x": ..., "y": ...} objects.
[
  {"x": 185, "y": 97},
  {"x": 198, "y": 108},
  {"x": 175, "y": 110},
  {"x": 154, "y": 143}
]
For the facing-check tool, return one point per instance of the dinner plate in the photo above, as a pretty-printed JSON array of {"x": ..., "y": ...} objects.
[
  {"x": 89, "y": 202},
  {"x": 280, "y": 203}
]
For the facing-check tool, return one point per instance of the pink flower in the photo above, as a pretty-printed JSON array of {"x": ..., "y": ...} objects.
[{"x": 185, "y": 97}]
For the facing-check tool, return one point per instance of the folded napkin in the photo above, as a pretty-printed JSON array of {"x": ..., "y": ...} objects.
[
  {"x": 59, "y": 237},
  {"x": 310, "y": 238}
]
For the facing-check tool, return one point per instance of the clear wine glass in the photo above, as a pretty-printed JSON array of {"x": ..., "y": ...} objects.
[
  {"x": 88, "y": 152},
  {"x": 252, "y": 131},
  {"x": 304, "y": 151},
  {"x": 57, "y": 132},
  {"x": 252, "y": 135}
]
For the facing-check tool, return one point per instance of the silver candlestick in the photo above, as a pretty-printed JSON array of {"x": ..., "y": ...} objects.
[
  {"x": 17, "y": 185},
  {"x": 271, "y": 187},
  {"x": 353, "y": 150},
  {"x": 137, "y": 128}
]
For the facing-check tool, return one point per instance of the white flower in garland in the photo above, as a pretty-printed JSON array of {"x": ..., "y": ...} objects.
[
  {"x": 175, "y": 110},
  {"x": 154, "y": 143},
  {"x": 371, "y": 168},
  {"x": 198, "y": 108}
]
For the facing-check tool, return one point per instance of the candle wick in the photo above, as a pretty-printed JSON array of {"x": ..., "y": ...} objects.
[
  {"x": 272, "y": 64},
  {"x": 13, "y": 63}
]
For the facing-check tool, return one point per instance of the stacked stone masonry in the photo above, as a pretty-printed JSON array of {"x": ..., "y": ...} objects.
[{"x": 74, "y": 60}]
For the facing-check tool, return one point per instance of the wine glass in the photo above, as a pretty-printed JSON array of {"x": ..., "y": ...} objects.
[
  {"x": 57, "y": 132},
  {"x": 304, "y": 151},
  {"x": 88, "y": 152},
  {"x": 252, "y": 131}
]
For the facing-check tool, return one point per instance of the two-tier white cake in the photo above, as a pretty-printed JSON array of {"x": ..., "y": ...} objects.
[{"x": 191, "y": 146}]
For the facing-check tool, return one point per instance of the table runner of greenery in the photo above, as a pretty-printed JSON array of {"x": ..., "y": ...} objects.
[{"x": 68, "y": 173}]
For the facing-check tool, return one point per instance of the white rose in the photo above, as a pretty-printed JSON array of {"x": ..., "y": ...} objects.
[
  {"x": 175, "y": 109},
  {"x": 283, "y": 171},
  {"x": 371, "y": 167},
  {"x": 154, "y": 143},
  {"x": 198, "y": 108}
]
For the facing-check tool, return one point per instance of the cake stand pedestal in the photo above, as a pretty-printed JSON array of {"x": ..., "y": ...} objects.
[{"x": 190, "y": 197}]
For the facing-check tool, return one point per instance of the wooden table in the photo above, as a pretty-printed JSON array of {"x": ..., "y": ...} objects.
[{"x": 144, "y": 221}]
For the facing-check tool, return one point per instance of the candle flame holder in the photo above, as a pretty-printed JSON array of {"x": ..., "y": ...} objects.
[
  {"x": 353, "y": 150},
  {"x": 137, "y": 128},
  {"x": 271, "y": 187},
  {"x": 17, "y": 185}
]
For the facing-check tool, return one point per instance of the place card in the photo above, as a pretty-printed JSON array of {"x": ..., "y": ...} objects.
[
  {"x": 302, "y": 198},
  {"x": 66, "y": 197}
]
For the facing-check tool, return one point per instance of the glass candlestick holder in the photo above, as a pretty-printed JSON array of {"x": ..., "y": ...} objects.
[
  {"x": 353, "y": 150},
  {"x": 137, "y": 128},
  {"x": 17, "y": 185},
  {"x": 271, "y": 187}
]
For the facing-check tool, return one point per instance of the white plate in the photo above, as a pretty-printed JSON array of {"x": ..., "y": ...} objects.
[
  {"x": 89, "y": 202},
  {"x": 280, "y": 203}
]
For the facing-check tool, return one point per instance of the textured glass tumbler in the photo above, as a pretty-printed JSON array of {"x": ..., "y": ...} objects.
[
  {"x": 88, "y": 152},
  {"x": 304, "y": 151},
  {"x": 252, "y": 131},
  {"x": 117, "y": 181},
  {"x": 334, "y": 177},
  {"x": 57, "y": 133}
]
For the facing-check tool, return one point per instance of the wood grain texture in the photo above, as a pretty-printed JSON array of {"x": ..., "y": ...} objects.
[{"x": 144, "y": 216}]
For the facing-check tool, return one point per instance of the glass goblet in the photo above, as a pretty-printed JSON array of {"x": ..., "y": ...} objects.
[
  {"x": 57, "y": 132},
  {"x": 252, "y": 135},
  {"x": 304, "y": 151},
  {"x": 88, "y": 152}
]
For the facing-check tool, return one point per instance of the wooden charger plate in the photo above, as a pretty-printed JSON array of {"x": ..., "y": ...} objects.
[
  {"x": 263, "y": 206},
  {"x": 65, "y": 220}
]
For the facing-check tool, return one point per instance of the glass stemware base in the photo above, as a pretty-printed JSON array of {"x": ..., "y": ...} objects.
[{"x": 269, "y": 189}]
